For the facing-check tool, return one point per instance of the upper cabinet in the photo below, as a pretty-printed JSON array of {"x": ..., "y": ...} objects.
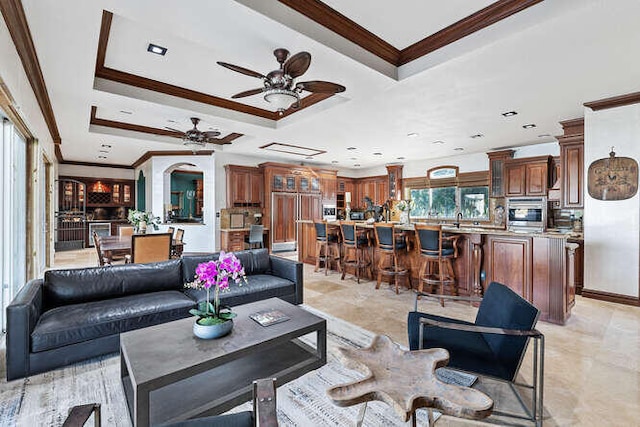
[
  {"x": 527, "y": 176},
  {"x": 572, "y": 164},
  {"x": 99, "y": 192},
  {"x": 497, "y": 160},
  {"x": 245, "y": 186}
]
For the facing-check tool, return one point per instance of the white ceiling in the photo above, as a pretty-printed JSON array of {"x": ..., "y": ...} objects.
[{"x": 543, "y": 63}]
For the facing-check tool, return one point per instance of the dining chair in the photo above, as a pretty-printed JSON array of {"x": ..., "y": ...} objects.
[
  {"x": 125, "y": 230},
  {"x": 171, "y": 230},
  {"x": 102, "y": 260},
  {"x": 179, "y": 235},
  {"x": 150, "y": 248}
]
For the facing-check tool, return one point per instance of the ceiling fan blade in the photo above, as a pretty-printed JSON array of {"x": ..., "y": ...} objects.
[
  {"x": 321, "y": 87},
  {"x": 242, "y": 70},
  {"x": 298, "y": 64},
  {"x": 175, "y": 130},
  {"x": 247, "y": 93}
]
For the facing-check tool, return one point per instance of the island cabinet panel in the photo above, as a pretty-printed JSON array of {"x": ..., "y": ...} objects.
[{"x": 509, "y": 263}]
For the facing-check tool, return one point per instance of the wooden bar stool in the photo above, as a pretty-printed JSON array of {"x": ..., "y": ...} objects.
[
  {"x": 436, "y": 251},
  {"x": 327, "y": 248},
  {"x": 388, "y": 248},
  {"x": 355, "y": 252}
]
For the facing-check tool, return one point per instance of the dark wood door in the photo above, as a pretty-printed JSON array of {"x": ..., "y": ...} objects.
[
  {"x": 514, "y": 180},
  {"x": 572, "y": 156},
  {"x": 310, "y": 209},
  {"x": 283, "y": 218},
  {"x": 536, "y": 179},
  {"x": 256, "y": 186}
]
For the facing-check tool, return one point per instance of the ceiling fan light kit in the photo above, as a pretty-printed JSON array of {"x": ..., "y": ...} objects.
[{"x": 279, "y": 88}]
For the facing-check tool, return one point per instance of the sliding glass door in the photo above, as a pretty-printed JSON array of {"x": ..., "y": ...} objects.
[{"x": 13, "y": 207}]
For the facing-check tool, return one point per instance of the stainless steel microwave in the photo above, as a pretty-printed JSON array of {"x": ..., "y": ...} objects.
[{"x": 526, "y": 214}]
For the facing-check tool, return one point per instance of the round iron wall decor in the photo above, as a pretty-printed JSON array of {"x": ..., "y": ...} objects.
[{"x": 613, "y": 178}]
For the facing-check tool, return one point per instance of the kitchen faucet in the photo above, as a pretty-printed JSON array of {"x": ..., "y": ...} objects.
[{"x": 458, "y": 219}]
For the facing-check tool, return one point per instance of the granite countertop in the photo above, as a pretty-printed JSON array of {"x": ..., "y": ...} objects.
[
  {"x": 550, "y": 233},
  {"x": 231, "y": 230}
]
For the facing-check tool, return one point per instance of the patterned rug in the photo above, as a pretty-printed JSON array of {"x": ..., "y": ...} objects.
[{"x": 44, "y": 400}]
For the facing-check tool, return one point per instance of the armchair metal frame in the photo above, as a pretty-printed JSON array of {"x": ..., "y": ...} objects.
[{"x": 536, "y": 412}]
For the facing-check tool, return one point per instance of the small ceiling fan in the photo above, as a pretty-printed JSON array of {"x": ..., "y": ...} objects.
[
  {"x": 279, "y": 88},
  {"x": 195, "y": 138}
]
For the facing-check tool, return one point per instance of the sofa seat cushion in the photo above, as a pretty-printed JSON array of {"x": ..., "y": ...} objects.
[
  {"x": 76, "y": 323},
  {"x": 259, "y": 287}
]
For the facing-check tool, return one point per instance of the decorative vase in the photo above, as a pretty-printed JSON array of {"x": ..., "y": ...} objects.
[
  {"x": 404, "y": 217},
  {"x": 142, "y": 227},
  {"x": 212, "y": 331}
]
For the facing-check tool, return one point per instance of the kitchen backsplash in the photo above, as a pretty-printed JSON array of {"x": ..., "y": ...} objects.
[{"x": 249, "y": 218}]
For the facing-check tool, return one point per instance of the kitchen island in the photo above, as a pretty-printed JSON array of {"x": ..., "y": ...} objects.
[{"x": 538, "y": 266}]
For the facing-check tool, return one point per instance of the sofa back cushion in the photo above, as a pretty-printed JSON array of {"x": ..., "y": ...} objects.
[
  {"x": 254, "y": 261},
  {"x": 72, "y": 286}
]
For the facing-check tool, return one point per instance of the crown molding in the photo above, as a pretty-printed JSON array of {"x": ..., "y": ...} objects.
[
  {"x": 16, "y": 20},
  {"x": 616, "y": 101},
  {"x": 149, "y": 154}
]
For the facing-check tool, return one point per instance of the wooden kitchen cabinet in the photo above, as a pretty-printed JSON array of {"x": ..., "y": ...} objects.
[
  {"x": 245, "y": 186},
  {"x": 527, "y": 176},
  {"x": 232, "y": 240},
  {"x": 572, "y": 161},
  {"x": 497, "y": 161}
]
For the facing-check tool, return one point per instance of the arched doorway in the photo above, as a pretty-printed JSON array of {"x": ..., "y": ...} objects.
[{"x": 184, "y": 200}]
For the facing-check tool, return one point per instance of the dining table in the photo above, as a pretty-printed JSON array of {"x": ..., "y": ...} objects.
[{"x": 122, "y": 245}]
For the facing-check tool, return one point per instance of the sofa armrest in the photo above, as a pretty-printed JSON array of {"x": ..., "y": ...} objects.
[
  {"x": 22, "y": 315},
  {"x": 288, "y": 269}
]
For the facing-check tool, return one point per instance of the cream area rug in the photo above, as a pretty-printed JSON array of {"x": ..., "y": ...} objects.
[{"x": 44, "y": 400}]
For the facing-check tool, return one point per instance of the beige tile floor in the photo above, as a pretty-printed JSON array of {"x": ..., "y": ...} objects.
[{"x": 592, "y": 364}]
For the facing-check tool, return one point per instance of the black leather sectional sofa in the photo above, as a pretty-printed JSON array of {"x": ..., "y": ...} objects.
[{"x": 75, "y": 314}]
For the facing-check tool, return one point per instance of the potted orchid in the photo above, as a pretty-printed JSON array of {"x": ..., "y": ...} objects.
[
  {"x": 405, "y": 207},
  {"x": 215, "y": 320},
  {"x": 141, "y": 220}
]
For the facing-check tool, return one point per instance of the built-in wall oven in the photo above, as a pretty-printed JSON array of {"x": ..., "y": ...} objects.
[{"x": 526, "y": 214}]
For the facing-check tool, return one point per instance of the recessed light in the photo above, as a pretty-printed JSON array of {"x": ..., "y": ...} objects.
[
  {"x": 334, "y": 161},
  {"x": 438, "y": 142},
  {"x": 171, "y": 121},
  {"x": 544, "y": 135},
  {"x": 308, "y": 158},
  {"x": 477, "y": 135},
  {"x": 458, "y": 149},
  {"x": 529, "y": 126},
  {"x": 509, "y": 113},
  {"x": 158, "y": 50},
  {"x": 377, "y": 154},
  {"x": 412, "y": 134},
  {"x": 357, "y": 165},
  {"x": 353, "y": 158},
  {"x": 105, "y": 146},
  {"x": 102, "y": 157},
  {"x": 400, "y": 158},
  {"x": 126, "y": 112},
  {"x": 103, "y": 151},
  {"x": 351, "y": 148}
]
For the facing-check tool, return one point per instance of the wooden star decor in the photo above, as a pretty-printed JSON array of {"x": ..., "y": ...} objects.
[{"x": 406, "y": 381}]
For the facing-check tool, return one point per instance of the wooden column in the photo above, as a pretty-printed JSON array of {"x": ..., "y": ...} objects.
[{"x": 477, "y": 242}]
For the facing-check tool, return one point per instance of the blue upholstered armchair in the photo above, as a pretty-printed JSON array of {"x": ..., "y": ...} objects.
[{"x": 494, "y": 345}]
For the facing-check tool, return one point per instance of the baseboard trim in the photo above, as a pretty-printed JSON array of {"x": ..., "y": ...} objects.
[{"x": 610, "y": 297}]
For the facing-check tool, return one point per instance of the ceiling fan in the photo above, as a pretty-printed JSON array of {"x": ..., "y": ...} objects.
[
  {"x": 195, "y": 138},
  {"x": 279, "y": 88}
]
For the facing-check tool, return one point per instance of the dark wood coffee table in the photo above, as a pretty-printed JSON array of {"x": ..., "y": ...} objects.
[{"x": 170, "y": 375}]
